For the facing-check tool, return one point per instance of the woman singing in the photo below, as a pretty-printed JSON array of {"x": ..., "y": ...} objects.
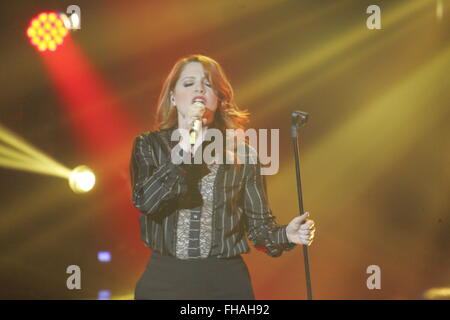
[{"x": 195, "y": 217}]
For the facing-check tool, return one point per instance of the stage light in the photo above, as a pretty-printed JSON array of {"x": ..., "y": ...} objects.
[
  {"x": 104, "y": 256},
  {"x": 442, "y": 293},
  {"x": 104, "y": 295},
  {"x": 81, "y": 179},
  {"x": 46, "y": 31}
]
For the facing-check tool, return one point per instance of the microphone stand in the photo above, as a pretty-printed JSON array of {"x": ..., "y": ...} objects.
[{"x": 299, "y": 118}]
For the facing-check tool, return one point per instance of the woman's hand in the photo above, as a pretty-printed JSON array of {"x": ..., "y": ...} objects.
[
  {"x": 300, "y": 230},
  {"x": 194, "y": 112}
]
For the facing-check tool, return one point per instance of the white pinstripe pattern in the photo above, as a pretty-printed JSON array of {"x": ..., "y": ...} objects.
[
  {"x": 223, "y": 215},
  {"x": 232, "y": 239},
  {"x": 150, "y": 164}
]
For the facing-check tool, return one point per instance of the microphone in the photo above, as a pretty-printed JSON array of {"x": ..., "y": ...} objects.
[
  {"x": 196, "y": 126},
  {"x": 298, "y": 119}
]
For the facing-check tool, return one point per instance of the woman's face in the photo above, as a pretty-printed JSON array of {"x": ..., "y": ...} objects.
[{"x": 193, "y": 83}]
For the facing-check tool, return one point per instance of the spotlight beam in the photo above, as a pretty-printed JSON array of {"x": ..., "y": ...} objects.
[
  {"x": 291, "y": 67},
  {"x": 9, "y": 138},
  {"x": 36, "y": 168},
  {"x": 14, "y": 154},
  {"x": 344, "y": 65},
  {"x": 81, "y": 179},
  {"x": 407, "y": 124}
]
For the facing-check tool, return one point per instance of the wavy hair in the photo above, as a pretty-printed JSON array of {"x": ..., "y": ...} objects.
[{"x": 228, "y": 115}]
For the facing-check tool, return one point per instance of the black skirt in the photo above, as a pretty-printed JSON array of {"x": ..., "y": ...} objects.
[{"x": 212, "y": 278}]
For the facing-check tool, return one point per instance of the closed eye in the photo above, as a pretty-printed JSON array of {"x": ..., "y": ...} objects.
[{"x": 188, "y": 84}]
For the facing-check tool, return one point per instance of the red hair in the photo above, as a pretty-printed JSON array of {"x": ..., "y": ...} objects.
[{"x": 227, "y": 116}]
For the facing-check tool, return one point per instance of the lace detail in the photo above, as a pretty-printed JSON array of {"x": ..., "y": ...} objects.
[{"x": 186, "y": 216}]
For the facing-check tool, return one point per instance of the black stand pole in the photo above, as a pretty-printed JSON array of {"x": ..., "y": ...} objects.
[{"x": 299, "y": 118}]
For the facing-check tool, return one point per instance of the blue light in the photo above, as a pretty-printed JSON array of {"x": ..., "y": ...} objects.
[
  {"x": 104, "y": 256},
  {"x": 104, "y": 295}
]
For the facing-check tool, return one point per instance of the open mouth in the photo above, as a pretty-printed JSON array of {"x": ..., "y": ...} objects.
[{"x": 199, "y": 99}]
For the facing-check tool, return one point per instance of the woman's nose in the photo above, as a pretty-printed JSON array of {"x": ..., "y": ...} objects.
[{"x": 200, "y": 88}]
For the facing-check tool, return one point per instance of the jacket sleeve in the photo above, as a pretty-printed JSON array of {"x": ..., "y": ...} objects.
[
  {"x": 263, "y": 231},
  {"x": 153, "y": 187}
]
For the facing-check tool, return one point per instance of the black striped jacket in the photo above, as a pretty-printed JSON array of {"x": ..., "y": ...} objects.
[{"x": 240, "y": 205}]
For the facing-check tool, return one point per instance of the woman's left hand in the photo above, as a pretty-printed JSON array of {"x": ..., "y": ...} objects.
[{"x": 301, "y": 230}]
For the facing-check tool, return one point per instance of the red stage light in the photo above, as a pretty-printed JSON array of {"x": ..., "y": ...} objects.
[{"x": 47, "y": 31}]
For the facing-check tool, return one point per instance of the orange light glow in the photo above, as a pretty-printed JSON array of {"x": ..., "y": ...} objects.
[{"x": 46, "y": 31}]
